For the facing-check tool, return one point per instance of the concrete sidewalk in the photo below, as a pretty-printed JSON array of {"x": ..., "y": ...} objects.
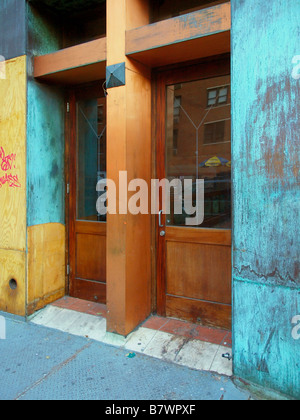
[{"x": 38, "y": 363}]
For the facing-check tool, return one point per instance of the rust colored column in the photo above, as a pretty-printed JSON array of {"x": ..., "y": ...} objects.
[{"x": 129, "y": 149}]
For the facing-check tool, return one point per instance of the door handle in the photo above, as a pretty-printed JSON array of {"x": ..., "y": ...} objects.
[{"x": 160, "y": 219}]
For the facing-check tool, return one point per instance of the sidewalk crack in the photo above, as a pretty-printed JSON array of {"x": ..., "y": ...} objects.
[{"x": 53, "y": 371}]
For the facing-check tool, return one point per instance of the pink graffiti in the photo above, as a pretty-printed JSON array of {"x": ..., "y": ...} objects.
[
  {"x": 11, "y": 180},
  {"x": 7, "y": 161},
  {"x": 6, "y": 164}
]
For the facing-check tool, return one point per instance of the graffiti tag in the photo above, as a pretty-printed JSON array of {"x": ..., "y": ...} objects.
[
  {"x": 11, "y": 180},
  {"x": 7, "y": 164},
  {"x": 7, "y": 161}
]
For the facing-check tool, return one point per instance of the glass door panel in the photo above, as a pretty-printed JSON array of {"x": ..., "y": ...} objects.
[
  {"x": 91, "y": 157},
  {"x": 87, "y": 165},
  {"x": 198, "y": 145}
]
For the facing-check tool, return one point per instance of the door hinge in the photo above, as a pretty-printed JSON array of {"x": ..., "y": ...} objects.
[
  {"x": 68, "y": 106},
  {"x": 68, "y": 269},
  {"x": 68, "y": 188}
]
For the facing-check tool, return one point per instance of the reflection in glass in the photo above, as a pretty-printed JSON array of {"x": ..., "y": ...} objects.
[
  {"x": 91, "y": 156},
  {"x": 198, "y": 145}
]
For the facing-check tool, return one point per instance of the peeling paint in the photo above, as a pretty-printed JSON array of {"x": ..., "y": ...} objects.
[
  {"x": 266, "y": 152},
  {"x": 45, "y": 133}
]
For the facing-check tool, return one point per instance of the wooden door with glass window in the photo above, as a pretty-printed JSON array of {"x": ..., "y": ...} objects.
[
  {"x": 194, "y": 142},
  {"x": 87, "y": 166}
]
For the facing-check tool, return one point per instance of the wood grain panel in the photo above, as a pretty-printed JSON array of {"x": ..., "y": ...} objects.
[
  {"x": 200, "y": 312},
  {"x": 45, "y": 265},
  {"x": 193, "y": 25},
  {"x": 128, "y": 236},
  {"x": 199, "y": 236},
  {"x": 191, "y": 50},
  {"x": 91, "y": 257},
  {"x": 12, "y": 266},
  {"x": 91, "y": 228},
  {"x": 88, "y": 290},
  {"x": 116, "y": 28},
  {"x": 13, "y": 142},
  {"x": 199, "y": 271},
  {"x": 195, "y": 35},
  {"x": 71, "y": 58},
  {"x": 138, "y": 162},
  {"x": 137, "y": 13},
  {"x": 76, "y": 75}
]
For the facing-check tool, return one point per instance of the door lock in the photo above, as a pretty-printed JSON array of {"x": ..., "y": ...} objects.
[{"x": 162, "y": 233}]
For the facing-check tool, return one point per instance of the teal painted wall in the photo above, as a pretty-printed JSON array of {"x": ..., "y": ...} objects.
[
  {"x": 45, "y": 155},
  {"x": 45, "y": 130},
  {"x": 266, "y": 150}
]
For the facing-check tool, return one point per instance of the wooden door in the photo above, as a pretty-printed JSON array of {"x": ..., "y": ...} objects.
[
  {"x": 194, "y": 142},
  {"x": 87, "y": 165}
]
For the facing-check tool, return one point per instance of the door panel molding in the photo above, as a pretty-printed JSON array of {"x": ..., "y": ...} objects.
[
  {"x": 199, "y": 236},
  {"x": 210, "y": 314}
]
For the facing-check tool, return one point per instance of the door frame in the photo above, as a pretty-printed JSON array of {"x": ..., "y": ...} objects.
[
  {"x": 202, "y": 69},
  {"x": 73, "y": 94}
]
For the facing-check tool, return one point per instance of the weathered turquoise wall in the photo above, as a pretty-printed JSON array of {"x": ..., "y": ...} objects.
[
  {"x": 45, "y": 129},
  {"x": 266, "y": 150},
  {"x": 45, "y": 155}
]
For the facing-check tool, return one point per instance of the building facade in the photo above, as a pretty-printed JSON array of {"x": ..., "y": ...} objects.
[{"x": 126, "y": 90}]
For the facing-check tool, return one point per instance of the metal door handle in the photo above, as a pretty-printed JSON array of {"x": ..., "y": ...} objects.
[{"x": 160, "y": 219}]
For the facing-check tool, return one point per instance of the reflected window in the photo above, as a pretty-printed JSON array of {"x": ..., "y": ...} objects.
[
  {"x": 218, "y": 96},
  {"x": 214, "y": 132},
  {"x": 91, "y": 156},
  {"x": 177, "y": 105},
  {"x": 198, "y": 146}
]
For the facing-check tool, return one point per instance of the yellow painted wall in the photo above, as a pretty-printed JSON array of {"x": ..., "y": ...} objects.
[
  {"x": 12, "y": 266},
  {"x": 13, "y": 185},
  {"x": 45, "y": 265}
]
